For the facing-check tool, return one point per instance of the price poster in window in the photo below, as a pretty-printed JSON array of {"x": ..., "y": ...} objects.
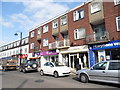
[{"x": 101, "y": 55}]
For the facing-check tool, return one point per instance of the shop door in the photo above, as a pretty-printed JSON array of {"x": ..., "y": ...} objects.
[{"x": 74, "y": 61}]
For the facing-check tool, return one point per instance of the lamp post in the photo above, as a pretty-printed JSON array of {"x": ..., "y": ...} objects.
[{"x": 16, "y": 34}]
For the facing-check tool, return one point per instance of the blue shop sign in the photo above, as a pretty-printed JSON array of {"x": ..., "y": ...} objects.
[
  {"x": 4, "y": 58},
  {"x": 108, "y": 45}
]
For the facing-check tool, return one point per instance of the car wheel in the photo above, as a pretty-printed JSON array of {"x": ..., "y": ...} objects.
[
  {"x": 34, "y": 65},
  {"x": 24, "y": 71},
  {"x": 41, "y": 72},
  {"x": 56, "y": 74},
  {"x": 4, "y": 69},
  {"x": 84, "y": 78}
]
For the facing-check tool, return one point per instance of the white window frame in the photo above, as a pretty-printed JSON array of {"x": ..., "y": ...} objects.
[
  {"x": 116, "y": 2},
  {"x": 32, "y": 34},
  {"x": 26, "y": 40},
  {"x": 55, "y": 24},
  {"x": 95, "y": 9},
  {"x": 45, "y": 28},
  {"x": 25, "y": 50},
  {"x": 45, "y": 42},
  {"x": 18, "y": 43},
  {"x": 64, "y": 20},
  {"x": 11, "y": 45},
  {"x": 117, "y": 19},
  {"x": 78, "y": 14},
  {"x": 39, "y": 31},
  {"x": 15, "y": 44},
  {"x": 32, "y": 46},
  {"x": 78, "y": 33}
]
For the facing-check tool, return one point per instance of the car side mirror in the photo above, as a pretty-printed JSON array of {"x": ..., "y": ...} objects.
[{"x": 91, "y": 68}]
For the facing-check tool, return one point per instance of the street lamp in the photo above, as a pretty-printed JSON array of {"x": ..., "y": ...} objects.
[{"x": 16, "y": 34}]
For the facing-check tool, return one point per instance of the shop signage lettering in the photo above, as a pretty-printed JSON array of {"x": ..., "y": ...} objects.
[{"x": 107, "y": 45}]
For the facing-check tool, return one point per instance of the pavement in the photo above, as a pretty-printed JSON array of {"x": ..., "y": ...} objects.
[{"x": 16, "y": 79}]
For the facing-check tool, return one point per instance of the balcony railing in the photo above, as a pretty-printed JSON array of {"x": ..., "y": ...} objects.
[
  {"x": 59, "y": 44},
  {"x": 99, "y": 37},
  {"x": 53, "y": 45}
]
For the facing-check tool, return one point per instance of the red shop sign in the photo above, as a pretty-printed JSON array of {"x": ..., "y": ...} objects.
[{"x": 24, "y": 56}]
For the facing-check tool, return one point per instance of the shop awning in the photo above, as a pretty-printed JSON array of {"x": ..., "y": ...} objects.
[{"x": 76, "y": 49}]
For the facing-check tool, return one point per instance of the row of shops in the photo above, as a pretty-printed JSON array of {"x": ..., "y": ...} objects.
[{"x": 85, "y": 56}]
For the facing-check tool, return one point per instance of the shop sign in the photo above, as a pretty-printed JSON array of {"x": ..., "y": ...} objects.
[
  {"x": 46, "y": 53},
  {"x": 83, "y": 48},
  {"x": 111, "y": 44},
  {"x": 36, "y": 54},
  {"x": 6, "y": 58},
  {"x": 24, "y": 56}
]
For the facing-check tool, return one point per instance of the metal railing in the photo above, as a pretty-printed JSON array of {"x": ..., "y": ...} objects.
[
  {"x": 103, "y": 36},
  {"x": 59, "y": 44}
]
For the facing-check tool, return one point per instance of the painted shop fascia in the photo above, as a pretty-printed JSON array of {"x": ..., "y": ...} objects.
[{"x": 110, "y": 50}]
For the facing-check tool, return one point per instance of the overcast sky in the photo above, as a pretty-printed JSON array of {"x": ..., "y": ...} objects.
[{"x": 16, "y": 15}]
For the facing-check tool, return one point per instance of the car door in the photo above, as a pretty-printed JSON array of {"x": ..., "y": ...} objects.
[
  {"x": 97, "y": 72},
  {"x": 46, "y": 65},
  {"x": 48, "y": 68},
  {"x": 113, "y": 72}
]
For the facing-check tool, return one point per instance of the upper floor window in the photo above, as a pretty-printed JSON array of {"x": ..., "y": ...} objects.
[
  {"x": 79, "y": 33},
  {"x": 6, "y": 47},
  {"x": 18, "y": 43},
  {"x": 32, "y": 34},
  {"x": 95, "y": 7},
  {"x": 45, "y": 42},
  {"x": 38, "y": 31},
  {"x": 64, "y": 20},
  {"x": 32, "y": 46},
  {"x": 79, "y": 14},
  {"x": 118, "y": 23},
  {"x": 11, "y": 45},
  {"x": 117, "y": 2},
  {"x": 23, "y": 41},
  {"x": 15, "y": 44},
  {"x": 26, "y": 40},
  {"x": 45, "y": 28},
  {"x": 25, "y": 50},
  {"x": 55, "y": 24}
]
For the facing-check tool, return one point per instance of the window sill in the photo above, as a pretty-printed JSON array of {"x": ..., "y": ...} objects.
[
  {"x": 79, "y": 19},
  {"x": 63, "y": 24},
  {"x": 55, "y": 28},
  {"x": 96, "y": 12},
  {"x": 79, "y": 39},
  {"x": 116, "y": 4},
  {"x": 45, "y": 32}
]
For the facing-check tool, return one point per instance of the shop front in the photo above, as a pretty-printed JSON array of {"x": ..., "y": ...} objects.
[
  {"x": 35, "y": 56},
  {"x": 75, "y": 57},
  {"x": 48, "y": 56},
  {"x": 23, "y": 57},
  {"x": 104, "y": 51}
]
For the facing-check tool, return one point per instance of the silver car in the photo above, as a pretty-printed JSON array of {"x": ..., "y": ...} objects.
[{"x": 107, "y": 71}]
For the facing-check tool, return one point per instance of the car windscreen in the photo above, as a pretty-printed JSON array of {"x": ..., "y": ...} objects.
[
  {"x": 31, "y": 62},
  {"x": 58, "y": 64}
]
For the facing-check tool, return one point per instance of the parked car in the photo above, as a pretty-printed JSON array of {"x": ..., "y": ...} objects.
[
  {"x": 57, "y": 69},
  {"x": 107, "y": 71},
  {"x": 28, "y": 65}
]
